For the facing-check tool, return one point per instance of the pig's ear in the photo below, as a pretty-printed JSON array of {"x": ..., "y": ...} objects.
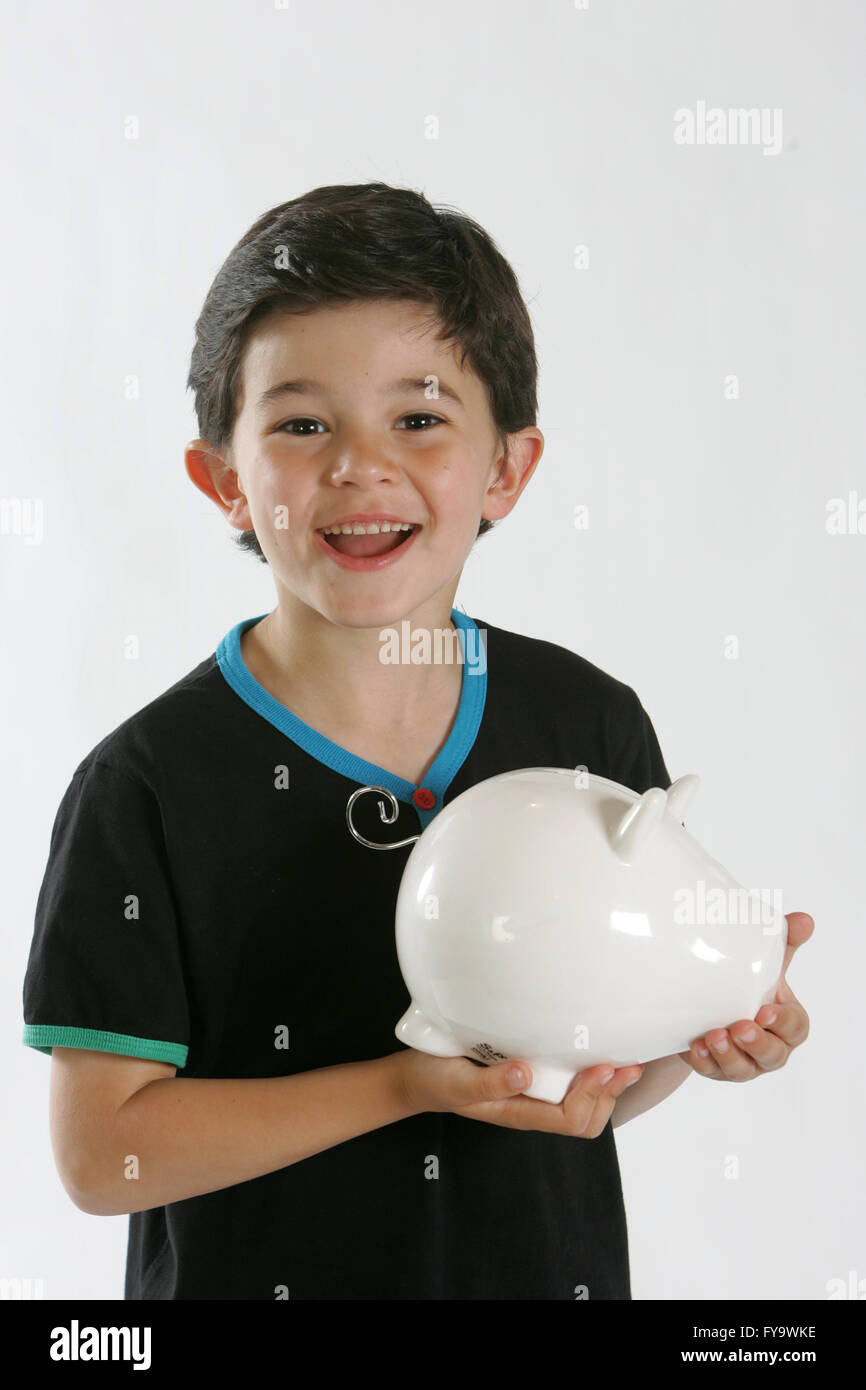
[
  {"x": 681, "y": 794},
  {"x": 638, "y": 824}
]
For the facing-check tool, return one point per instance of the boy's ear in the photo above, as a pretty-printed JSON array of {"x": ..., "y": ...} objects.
[
  {"x": 217, "y": 479},
  {"x": 516, "y": 468}
]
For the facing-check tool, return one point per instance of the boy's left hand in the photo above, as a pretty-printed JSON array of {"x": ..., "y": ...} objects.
[{"x": 778, "y": 1027}]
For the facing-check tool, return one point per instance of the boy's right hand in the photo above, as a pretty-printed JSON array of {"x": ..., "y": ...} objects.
[{"x": 462, "y": 1087}]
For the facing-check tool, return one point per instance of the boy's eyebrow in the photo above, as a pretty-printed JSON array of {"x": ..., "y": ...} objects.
[{"x": 406, "y": 384}]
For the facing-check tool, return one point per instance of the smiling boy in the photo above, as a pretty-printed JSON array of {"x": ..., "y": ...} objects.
[
  {"x": 213, "y": 966},
  {"x": 336, "y": 425}
]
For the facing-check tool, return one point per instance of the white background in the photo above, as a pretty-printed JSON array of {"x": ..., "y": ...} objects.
[{"x": 707, "y": 514}]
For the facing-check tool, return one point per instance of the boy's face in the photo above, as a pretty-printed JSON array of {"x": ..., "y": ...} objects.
[{"x": 353, "y": 438}]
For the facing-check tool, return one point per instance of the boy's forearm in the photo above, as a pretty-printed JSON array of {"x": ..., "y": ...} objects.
[
  {"x": 181, "y": 1137},
  {"x": 660, "y": 1078}
]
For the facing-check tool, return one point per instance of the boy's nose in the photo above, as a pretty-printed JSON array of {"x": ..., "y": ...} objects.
[{"x": 363, "y": 460}]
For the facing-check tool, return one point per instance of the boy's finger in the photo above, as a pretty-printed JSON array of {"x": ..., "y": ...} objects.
[
  {"x": 590, "y": 1087},
  {"x": 598, "y": 1080},
  {"x": 588, "y": 1119}
]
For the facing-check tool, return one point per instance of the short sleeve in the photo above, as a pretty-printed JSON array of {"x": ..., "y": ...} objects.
[
  {"x": 639, "y": 761},
  {"x": 105, "y": 966}
]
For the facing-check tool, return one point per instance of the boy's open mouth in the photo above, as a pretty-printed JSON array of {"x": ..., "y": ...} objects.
[{"x": 362, "y": 547}]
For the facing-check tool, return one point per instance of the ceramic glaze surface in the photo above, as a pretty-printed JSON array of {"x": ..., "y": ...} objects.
[{"x": 558, "y": 917}]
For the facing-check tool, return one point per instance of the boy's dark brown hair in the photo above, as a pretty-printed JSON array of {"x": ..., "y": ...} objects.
[{"x": 355, "y": 242}]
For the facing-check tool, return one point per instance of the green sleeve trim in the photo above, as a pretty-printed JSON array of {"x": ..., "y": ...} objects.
[{"x": 44, "y": 1036}]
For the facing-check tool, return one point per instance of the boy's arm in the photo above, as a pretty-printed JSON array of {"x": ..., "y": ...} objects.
[
  {"x": 659, "y": 1080},
  {"x": 127, "y": 1141}
]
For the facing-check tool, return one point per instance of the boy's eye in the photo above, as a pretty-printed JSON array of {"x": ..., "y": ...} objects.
[
  {"x": 301, "y": 420},
  {"x": 423, "y": 415},
  {"x": 307, "y": 420}
]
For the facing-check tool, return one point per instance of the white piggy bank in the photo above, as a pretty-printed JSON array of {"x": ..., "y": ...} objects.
[{"x": 558, "y": 917}]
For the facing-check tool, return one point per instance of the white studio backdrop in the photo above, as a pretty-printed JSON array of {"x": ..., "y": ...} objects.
[{"x": 699, "y": 313}]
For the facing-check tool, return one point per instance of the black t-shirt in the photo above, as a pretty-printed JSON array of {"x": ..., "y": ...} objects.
[{"x": 204, "y": 904}]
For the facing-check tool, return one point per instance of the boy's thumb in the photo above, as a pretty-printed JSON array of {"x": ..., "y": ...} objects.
[
  {"x": 516, "y": 1077},
  {"x": 497, "y": 1082}
]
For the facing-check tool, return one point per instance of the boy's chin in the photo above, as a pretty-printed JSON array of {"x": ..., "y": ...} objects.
[{"x": 360, "y": 611}]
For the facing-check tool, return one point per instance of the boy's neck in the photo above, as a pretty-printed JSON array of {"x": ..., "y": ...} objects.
[{"x": 332, "y": 677}]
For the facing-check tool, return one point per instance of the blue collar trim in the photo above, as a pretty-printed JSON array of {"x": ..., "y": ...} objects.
[{"x": 450, "y": 757}]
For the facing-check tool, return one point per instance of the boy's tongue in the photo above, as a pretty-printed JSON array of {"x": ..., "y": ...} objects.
[{"x": 362, "y": 546}]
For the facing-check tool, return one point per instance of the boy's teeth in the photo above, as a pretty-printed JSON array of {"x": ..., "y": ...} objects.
[{"x": 372, "y": 528}]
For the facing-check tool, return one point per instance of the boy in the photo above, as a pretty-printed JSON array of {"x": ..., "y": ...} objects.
[{"x": 213, "y": 967}]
